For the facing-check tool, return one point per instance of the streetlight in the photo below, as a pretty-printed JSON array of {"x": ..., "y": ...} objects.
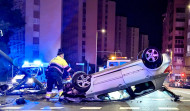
[
  {"x": 170, "y": 52},
  {"x": 188, "y": 6},
  {"x": 102, "y": 31}
]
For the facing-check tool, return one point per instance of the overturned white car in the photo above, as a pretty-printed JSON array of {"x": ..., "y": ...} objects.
[{"x": 138, "y": 77}]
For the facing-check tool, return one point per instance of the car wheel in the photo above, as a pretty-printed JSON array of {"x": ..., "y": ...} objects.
[
  {"x": 152, "y": 58},
  {"x": 140, "y": 55},
  {"x": 81, "y": 81}
]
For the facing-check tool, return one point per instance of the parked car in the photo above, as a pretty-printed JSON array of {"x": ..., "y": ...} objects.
[
  {"x": 186, "y": 85},
  {"x": 134, "y": 78}
]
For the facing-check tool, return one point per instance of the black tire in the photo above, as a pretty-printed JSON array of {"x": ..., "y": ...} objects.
[
  {"x": 140, "y": 55},
  {"x": 4, "y": 87},
  {"x": 152, "y": 58},
  {"x": 81, "y": 81}
]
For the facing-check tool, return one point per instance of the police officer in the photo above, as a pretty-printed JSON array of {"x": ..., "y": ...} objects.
[{"x": 54, "y": 74}]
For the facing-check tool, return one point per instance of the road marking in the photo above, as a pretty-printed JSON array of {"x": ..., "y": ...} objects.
[
  {"x": 36, "y": 110},
  {"x": 91, "y": 108},
  {"x": 182, "y": 92},
  {"x": 167, "y": 108},
  {"x": 129, "y": 108},
  {"x": 184, "y": 100},
  {"x": 11, "y": 108},
  {"x": 158, "y": 99},
  {"x": 52, "y": 108}
]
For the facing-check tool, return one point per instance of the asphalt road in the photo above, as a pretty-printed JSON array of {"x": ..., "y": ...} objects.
[{"x": 155, "y": 101}]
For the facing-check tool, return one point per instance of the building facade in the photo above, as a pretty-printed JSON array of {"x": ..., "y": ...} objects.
[
  {"x": 42, "y": 29},
  {"x": 121, "y": 35},
  {"x": 174, "y": 34},
  {"x": 41, "y": 35},
  {"x": 143, "y": 42},
  {"x": 106, "y": 20},
  {"x": 81, "y": 28},
  {"x": 132, "y": 42}
]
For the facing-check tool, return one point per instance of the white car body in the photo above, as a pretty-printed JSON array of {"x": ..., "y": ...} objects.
[{"x": 126, "y": 75}]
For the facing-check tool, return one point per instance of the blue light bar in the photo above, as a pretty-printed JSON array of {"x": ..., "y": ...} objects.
[
  {"x": 26, "y": 62},
  {"x": 37, "y": 62}
]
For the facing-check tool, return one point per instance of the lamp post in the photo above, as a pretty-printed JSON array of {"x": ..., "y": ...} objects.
[
  {"x": 102, "y": 31},
  {"x": 170, "y": 52}
]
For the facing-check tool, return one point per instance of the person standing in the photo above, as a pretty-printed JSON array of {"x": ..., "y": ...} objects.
[{"x": 55, "y": 74}]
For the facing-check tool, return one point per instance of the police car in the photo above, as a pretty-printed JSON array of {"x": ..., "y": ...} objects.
[
  {"x": 134, "y": 78},
  {"x": 35, "y": 69}
]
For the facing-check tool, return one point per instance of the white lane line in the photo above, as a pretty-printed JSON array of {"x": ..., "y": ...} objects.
[
  {"x": 91, "y": 108},
  {"x": 167, "y": 108},
  {"x": 159, "y": 99},
  {"x": 36, "y": 110},
  {"x": 182, "y": 92},
  {"x": 52, "y": 108},
  {"x": 129, "y": 108},
  {"x": 184, "y": 100},
  {"x": 11, "y": 108}
]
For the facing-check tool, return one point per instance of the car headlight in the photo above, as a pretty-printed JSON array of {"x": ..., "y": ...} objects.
[
  {"x": 13, "y": 80},
  {"x": 30, "y": 80}
]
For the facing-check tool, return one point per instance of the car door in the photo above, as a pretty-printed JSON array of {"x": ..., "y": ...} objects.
[
  {"x": 108, "y": 81},
  {"x": 134, "y": 73}
]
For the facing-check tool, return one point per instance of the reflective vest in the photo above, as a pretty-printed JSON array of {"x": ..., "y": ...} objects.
[{"x": 58, "y": 63}]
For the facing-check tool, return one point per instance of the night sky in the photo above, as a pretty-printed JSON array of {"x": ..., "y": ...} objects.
[{"x": 145, "y": 14}]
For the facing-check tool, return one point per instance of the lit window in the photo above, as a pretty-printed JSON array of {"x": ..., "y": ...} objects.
[{"x": 175, "y": 50}]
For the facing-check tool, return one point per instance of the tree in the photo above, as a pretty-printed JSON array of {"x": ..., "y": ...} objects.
[{"x": 10, "y": 20}]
